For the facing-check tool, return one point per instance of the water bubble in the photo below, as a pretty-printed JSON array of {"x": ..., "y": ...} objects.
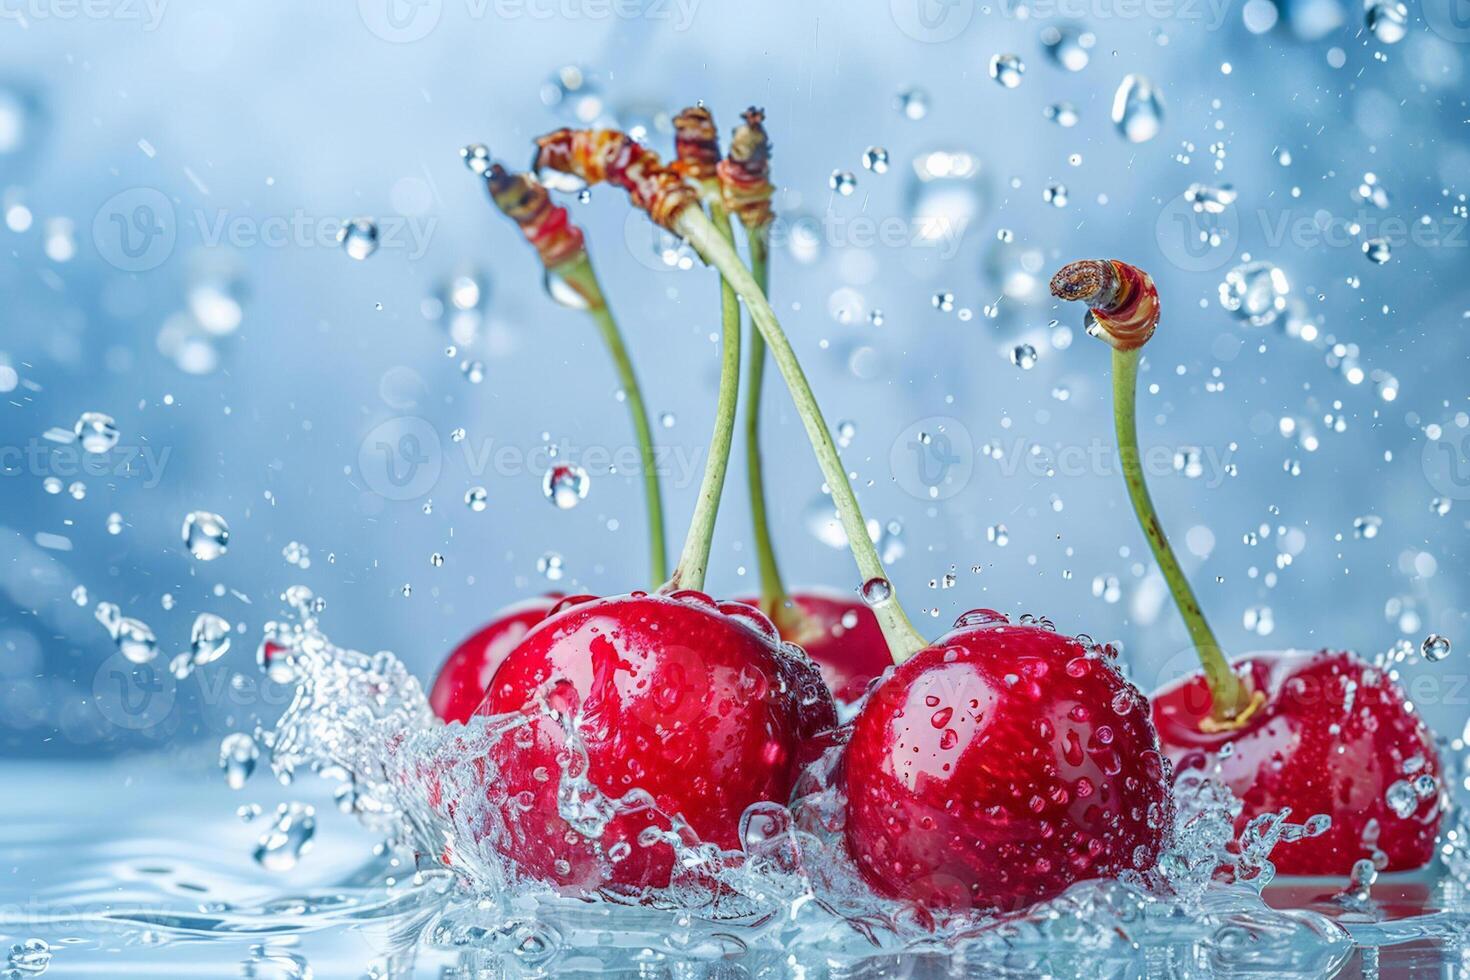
[
  {"x": 1068, "y": 45},
  {"x": 436, "y": 560},
  {"x": 1255, "y": 292},
  {"x": 1137, "y": 111},
  {"x": 473, "y": 371},
  {"x": 206, "y": 535},
  {"x": 28, "y": 959},
  {"x": 845, "y": 432},
  {"x": 114, "y": 523},
  {"x": 875, "y": 158},
  {"x": 297, "y": 554},
  {"x": 1402, "y": 799},
  {"x": 288, "y": 838},
  {"x": 1023, "y": 356},
  {"x": 51, "y": 485},
  {"x": 1055, "y": 195},
  {"x": 1435, "y": 647},
  {"x": 1386, "y": 20},
  {"x": 913, "y": 103},
  {"x": 78, "y": 490},
  {"x": 1064, "y": 114},
  {"x": 135, "y": 640},
  {"x": 96, "y": 432},
  {"x": 877, "y": 591},
  {"x": 998, "y": 534},
  {"x": 551, "y": 566},
  {"x": 476, "y": 157},
  {"x": 79, "y": 595},
  {"x": 238, "y": 754},
  {"x": 565, "y": 485},
  {"x": 1007, "y": 69},
  {"x": 209, "y": 639},
  {"x": 358, "y": 238},
  {"x": 1378, "y": 250},
  {"x": 843, "y": 182},
  {"x": 476, "y": 499},
  {"x": 943, "y": 302},
  {"x": 1208, "y": 199},
  {"x": 1259, "y": 620},
  {"x": 1107, "y": 588},
  {"x": 1367, "y": 526}
]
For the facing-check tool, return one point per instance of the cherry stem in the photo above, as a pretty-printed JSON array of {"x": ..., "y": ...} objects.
[
  {"x": 578, "y": 274},
  {"x": 774, "y": 598},
  {"x": 694, "y": 560},
  {"x": 903, "y": 640},
  {"x": 1228, "y": 694}
]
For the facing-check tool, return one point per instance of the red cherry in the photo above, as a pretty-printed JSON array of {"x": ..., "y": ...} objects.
[
  {"x": 1333, "y": 735},
  {"x": 842, "y": 635},
  {"x": 460, "y": 686},
  {"x": 697, "y": 703},
  {"x": 1000, "y": 765}
]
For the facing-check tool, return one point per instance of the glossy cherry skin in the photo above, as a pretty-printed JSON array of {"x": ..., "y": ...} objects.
[
  {"x": 1332, "y": 736},
  {"x": 1000, "y": 765},
  {"x": 460, "y": 686},
  {"x": 696, "y": 703},
  {"x": 842, "y": 635}
]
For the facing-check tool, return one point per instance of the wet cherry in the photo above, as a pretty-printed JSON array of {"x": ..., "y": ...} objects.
[
  {"x": 1334, "y": 735},
  {"x": 1000, "y": 765},
  {"x": 695, "y": 703},
  {"x": 841, "y": 634},
  {"x": 460, "y": 686}
]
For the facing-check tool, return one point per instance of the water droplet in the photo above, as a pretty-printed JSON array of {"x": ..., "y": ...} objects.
[
  {"x": 209, "y": 639},
  {"x": 565, "y": 485},
  {"x": 135, "y": 640},
  {"x": 843, "y": 182},
  {"x": 1435, "y": 647},
  {"x": 1107, "y": 588},
  {"x": 476, "y": 499},
  {"x": 877, "y": 591},
  {"x": 1023, "y": 356},
  {"x": 358, "y": 238},
  {"x": 1255, "y": 292},
  {"x": 1367, "y": 526},
  {"x": 1007, "y": 69},
  {"x": 28, "y": 959},
  {"x": 1208, "y": 199},
  {"x": 114, "y": 523},
  {"x": 1055, "y": 195},
  {"x": 97, "y": 432},
  {"x": 473, "y": 371},
  {"x": 846, "y": 431},
  {"x": 913, "y": 103},
  {"x": 476, "y": 157},
  {"x": 562, "y": 292},
  {"x": 1378, "y": 250},
  {"x": 1064, "y": 114},
  {"x": 288, "y": 838},
  {"x": 1068, "y": 45},
  {"x": 206, "y": 535},
  {"x": 238, "y": 754},
  {"x": 1137, "y": 110},
  {"x": 297, "y": 554},
  {"x": 1387, "y": 20},
  {"x": 51, "y": 485},
  {"x": 551, "y": 566},
  {"x": 998, "y": 535},
  {"x": 1402, "y": 799},
  {"x": 78, "y": 490},
  {"x": 875, "y": 158},
  {"x": 79, "y": 595},
  {"x": 943, "y": 302},
  {"x": 436, "y": 560}
]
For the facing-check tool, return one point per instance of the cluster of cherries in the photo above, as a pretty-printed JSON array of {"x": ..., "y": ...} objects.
[{"x": 992, "y": 767}]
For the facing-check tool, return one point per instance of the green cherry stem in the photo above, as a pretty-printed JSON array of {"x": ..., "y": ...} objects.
[
  {"x": 717, "y": 250},
  {"x": 579, "y": 275},
  {"x": 694, "y": 560},
  {"x": 774, "y": 598},
  {"x": 1125, "y": 311}
]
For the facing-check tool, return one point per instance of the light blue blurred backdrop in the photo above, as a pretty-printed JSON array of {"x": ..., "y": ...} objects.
[{"x": 173, "y": 178}]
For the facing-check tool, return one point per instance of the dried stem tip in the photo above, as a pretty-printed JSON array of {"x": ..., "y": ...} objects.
[
  {"x": 1122, "y": 298},
  {"x": 745, "y": 173},
  {"x": 545, "y": 225},
  {"x": 696, "y": 145},
  {"x": 597, "y": 155}
]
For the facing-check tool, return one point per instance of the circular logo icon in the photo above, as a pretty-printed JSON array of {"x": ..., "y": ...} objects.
[
  {"x": 655, "y": 247},
  {"x": 401, "y": 458},
  {"x": 133, "y": 696},
  {"x": 1446, "y": 462},
  {"x": 1195, "y": 238},
  {"x": 1450, "y": 19},
  {"x": 932, "y": 21},
  {"x": 933, "y": 458},
  {"x": 135, "y": 230},
  {"x": 400, "y": 21}
]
